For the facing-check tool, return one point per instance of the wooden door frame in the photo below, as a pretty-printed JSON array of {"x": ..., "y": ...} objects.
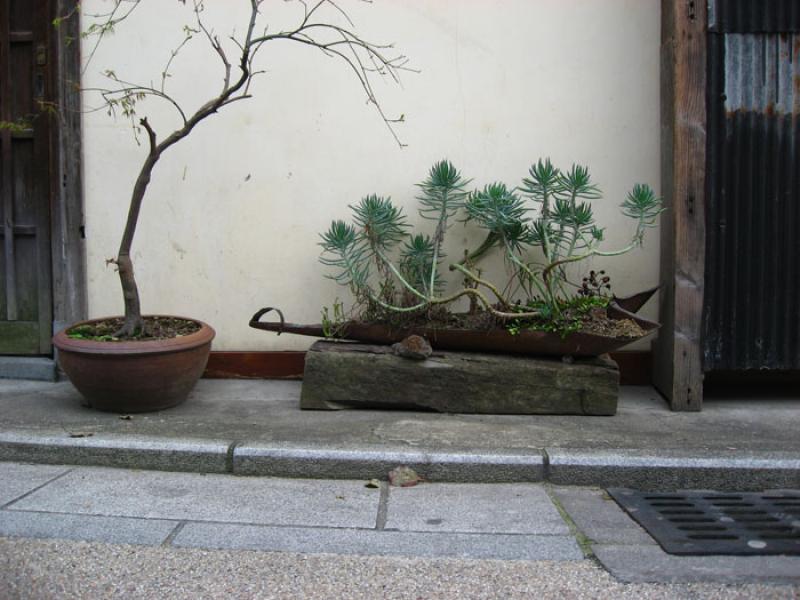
[
  {"x": 678, "y": 354},
  {"x": 66, "y": 181}
]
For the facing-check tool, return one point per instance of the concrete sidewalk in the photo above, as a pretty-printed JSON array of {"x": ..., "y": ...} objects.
[{"x": 256, "y": 428}]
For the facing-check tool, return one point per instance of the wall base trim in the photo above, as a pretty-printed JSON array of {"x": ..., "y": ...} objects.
[{"x": 634, "y": 366}]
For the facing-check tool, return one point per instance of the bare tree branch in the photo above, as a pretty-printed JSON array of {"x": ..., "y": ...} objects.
[{"x": 364, "y": 59}]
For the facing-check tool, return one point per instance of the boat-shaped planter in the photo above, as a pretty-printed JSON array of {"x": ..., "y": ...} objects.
[{"x": 498, "y": 340}]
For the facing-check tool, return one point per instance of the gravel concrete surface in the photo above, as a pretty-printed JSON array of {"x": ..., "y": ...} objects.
[{"x": 60, "y": 569}]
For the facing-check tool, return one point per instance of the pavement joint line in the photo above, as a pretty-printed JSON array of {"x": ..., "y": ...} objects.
[
  {"x": 57, "y": 513},
  {"x": 229, "y": 455},
  {"x": 7, "y": 505},
  {"x": 583, "y": 541},
  {"x": 174, "y": 533},
  {"x": 383, "y": 507},
  {"x": 545, "y": 464}
]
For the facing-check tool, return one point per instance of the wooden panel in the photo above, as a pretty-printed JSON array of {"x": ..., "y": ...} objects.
[
  {"x": 19, "y": 337},
  {"x": 25, "y": 177},
  {"x": 42, "y": 167},
  {"x": 678, "y": 371},
  {"x": 68, "y": 244},
  {"x": 21, "y": 15}
]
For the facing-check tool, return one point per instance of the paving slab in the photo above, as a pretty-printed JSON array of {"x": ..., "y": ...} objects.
[
  {"x": 112, "y": 530},
  {"x": 83, "y": 446},
  {"x": 18, "y": 479},
  {"x": 474, "y": 508},
  {"x": 368, "y": 462},
  {"x": 364, "y": 542},
  {"x": 647, "y": 563},
  {"x": 598, "y": 517},
  {"x": 224, "y": 498}
]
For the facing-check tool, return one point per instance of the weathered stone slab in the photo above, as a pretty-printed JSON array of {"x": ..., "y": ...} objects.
[{"x": 345, "y": 375}]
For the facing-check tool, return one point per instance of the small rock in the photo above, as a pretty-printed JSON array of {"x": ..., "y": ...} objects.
[
  {"x": 414, "y": 347},
  {"x": 81, "y": 434},
  {"x": 373, "y": 483},
  {"x": 404, "y": 477}
]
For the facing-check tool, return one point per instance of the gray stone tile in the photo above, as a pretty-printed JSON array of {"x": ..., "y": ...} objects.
[
  {"x": 17, "y": 479},
  {"x": 151, "y": 494},
  {"x": 647, "y": 563},
  {"x": 113, "y": 530},
  {"x": 116, "y": 450},
  {"x": 373, "y": 542},
  {"x": 287, "y": 460},
  {"x": 599, "y": 518},
  {"x": 474, "y": 508}
]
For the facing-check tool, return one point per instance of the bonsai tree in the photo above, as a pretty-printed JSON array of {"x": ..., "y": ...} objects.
[
  {"x": 540, "y": 227},
  {"x": 323, "y": 26}
]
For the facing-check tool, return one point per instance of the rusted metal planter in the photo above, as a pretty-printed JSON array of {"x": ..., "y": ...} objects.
[
  {"x": 135, "y": 377},
  {"x": 533, "y": 343}
]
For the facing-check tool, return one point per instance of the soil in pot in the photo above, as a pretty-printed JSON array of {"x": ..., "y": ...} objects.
[
  {"x": 156, "y": 328},
  {"x": 592, "y": 320}
]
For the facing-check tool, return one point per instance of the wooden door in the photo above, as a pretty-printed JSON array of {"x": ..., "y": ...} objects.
[{"x": 25, "y": 269}]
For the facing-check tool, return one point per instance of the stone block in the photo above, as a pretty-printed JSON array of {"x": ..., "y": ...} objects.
[
  {"x": 476, "y": 466},
  {"x": 672, "y": 469},
  {"x": 344, "y": 375},
  {"x": 116, "y": 450}
]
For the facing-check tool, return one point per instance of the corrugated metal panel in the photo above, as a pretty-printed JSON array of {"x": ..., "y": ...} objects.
[
  {"x": 752, "y": 299},
  {"x": 754, "y": 16}
]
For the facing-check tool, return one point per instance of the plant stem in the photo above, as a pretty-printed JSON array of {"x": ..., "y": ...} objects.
[
  {"x": 476, "y": 279},
  {"x": 400, "y": 278}
]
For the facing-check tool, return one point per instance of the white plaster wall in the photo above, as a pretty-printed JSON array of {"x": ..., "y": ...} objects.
[{"x": 232, "y": 216}]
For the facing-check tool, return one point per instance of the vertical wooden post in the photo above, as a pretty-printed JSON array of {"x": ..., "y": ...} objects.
[
  {"x": 68, "y": 246},
  {"x": 678, "y": 352}
]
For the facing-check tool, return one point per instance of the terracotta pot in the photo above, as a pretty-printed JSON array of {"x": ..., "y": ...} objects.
[{"x": 133, "y": 377}]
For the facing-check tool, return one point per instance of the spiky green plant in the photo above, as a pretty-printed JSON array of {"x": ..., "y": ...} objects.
[{"x": 560, "y": 225}]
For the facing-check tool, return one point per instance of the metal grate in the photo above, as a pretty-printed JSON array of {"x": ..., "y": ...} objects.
[{"x": 701, "y": 522}]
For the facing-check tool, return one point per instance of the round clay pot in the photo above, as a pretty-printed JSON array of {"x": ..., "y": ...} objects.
[{"x": 133, "y": 377}]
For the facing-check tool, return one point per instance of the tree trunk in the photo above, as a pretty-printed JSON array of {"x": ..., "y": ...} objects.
[{"x": 134, "y": 324}]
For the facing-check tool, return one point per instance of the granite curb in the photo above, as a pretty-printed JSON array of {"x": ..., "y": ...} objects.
[
  {"x": 673, "y": 469},
  {"x": 635, "y": 468}
]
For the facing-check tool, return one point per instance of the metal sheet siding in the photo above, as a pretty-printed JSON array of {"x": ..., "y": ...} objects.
[
  {"x": 752, "y": 298},
  {"x": 754, "y": 16}
]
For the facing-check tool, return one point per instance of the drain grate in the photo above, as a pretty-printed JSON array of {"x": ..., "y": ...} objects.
[{"x": 701, "y": 522}]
